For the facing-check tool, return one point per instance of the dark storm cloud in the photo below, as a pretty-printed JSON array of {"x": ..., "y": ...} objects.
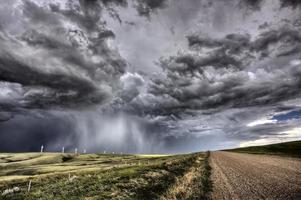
[
  {"x": 72, "y": 37},
  {"x": 237, "y": 44},
  {"x": 37, "y": 14},
  {"x": 253, "y": 4},
  {"x": 256, "y": 4},
  {"x": 146, "y": 7},
  {"x": 61, "y": 89},
  {"x": 60, "y": 72},
  {"x": 286, "y": 35},
  {"x": 238, "y": 65},
  {"x": 28, "y": 133},
  {"x": 230, "y": 73},
  {"x": 224, "y": 82},
  {"x": 57, "y": 56},
  {"x": 290, "y": 3},
  {"x": 90, "y": 20},
  {"x": 5, "y": 116},
  {"x": 268, "y": 130}
]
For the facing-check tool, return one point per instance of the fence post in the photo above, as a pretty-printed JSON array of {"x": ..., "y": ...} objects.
[{"x": 29, "y": 186}]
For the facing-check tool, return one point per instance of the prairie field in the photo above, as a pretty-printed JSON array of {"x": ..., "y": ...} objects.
[
  {"x": 288, "y": 149},
  {"x": 259, "y": 172},
  {"x": 103, "y": 176}
]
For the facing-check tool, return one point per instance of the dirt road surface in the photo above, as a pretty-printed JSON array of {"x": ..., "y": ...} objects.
[{"x": 247, "y": 176}]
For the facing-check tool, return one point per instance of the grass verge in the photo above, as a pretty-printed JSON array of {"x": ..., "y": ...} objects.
[
  {"x": 292, "y": 149},
  {"x": 206, "y": 178},
  {"x": 195, "y": 184}
]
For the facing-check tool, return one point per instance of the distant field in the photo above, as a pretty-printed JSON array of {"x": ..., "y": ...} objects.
[
  {"x": 103, "y": 176},
  {"x": 285, "y": 149}
]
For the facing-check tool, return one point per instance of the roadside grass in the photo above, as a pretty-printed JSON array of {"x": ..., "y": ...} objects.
[
  {"x": 206, "y": 177},
  {"x": 100, "y": 176},
  {"x": 292, "y": 149},
  {"x": 195, "y": 184}
]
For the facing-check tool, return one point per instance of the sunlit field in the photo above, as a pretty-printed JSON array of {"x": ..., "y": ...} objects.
[{"x": 103, "y": 176}]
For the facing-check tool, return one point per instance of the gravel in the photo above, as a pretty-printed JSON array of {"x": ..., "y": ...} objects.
[{"x": 249, "y": 176}]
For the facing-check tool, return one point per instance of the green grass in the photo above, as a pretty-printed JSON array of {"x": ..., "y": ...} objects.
[
  {"x": 206, "y": 178},
  {"x": 284, "y": 149},
  {"x": 93, "y": 176},
  {"x": 195, "y": 184}
]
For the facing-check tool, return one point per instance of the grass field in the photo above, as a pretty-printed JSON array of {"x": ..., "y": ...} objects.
[
  {"x": 113, "y": 176},
  {"x": 104, "y": 176},
  {"x": 284, "y": 149}
]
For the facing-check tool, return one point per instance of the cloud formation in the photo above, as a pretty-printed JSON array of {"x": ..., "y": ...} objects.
[
  {"x": 149, "y": 76},
  {"x": 233, "y": 71},
  {"x": 213, "y": 87},
  {"x": 60, "y": 56}
]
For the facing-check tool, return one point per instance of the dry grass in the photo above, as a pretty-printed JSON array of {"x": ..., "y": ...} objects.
[
  {"x": 98, "y": 176},
  {"x": 194, "y": 183}
]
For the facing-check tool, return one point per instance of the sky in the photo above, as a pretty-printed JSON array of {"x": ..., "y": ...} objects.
[{"x": 149, "y": 76}]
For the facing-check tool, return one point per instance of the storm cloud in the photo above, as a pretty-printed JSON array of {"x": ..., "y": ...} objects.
[
  {"x": 58, "y": 58},
  {"x": 233, "y": 71},
  {"x": 148, "y": 76}
]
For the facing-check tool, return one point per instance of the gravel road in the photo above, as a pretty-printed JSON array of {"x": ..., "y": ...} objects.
[{"x": 247, "y": 176}]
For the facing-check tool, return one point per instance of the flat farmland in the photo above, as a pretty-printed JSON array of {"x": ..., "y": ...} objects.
[{"x": 103, "y": 176}]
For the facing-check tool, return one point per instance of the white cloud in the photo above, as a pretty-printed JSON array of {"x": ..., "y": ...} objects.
[
  {"x": 259, "y": 142},
  {"x": 261, "y": 122},
  {"x": 10, "y": 91},
  {"x": 295, "y": 62},
  {"x": 293, "y": 133},
  {"x": 286, "y": 136}
]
